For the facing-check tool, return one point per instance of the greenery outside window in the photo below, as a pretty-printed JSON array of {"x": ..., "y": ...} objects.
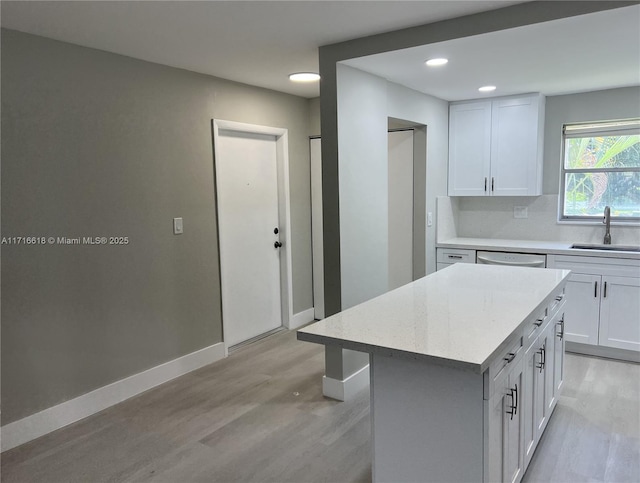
[{"x": 601, "y": 168}]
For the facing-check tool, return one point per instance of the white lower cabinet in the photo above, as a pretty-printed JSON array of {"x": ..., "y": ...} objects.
[
  {"x": 543, "y": 373},
  {"x": 525, "y": 393},
  {"x": 506, "y": 427},
  {"x": 620, "y": 313},
  {"x": 603, "y": 306},
  {"x": 558, "y": 354},
  {"x": 583, "y": 305},
  {"x": 529, "y": 398}
]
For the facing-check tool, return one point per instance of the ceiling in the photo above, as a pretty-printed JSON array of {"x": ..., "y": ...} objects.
[
  {"x": 261, "y": 42},
  {"x": 254, "y": 42},
  {"x": 578, "y": 54}
]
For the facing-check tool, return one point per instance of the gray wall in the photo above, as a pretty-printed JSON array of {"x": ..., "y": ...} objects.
[
  {"x": 97, "y": 144},
  {"x": 604, "y": 105},
  {"x": 314, "y": 117}
]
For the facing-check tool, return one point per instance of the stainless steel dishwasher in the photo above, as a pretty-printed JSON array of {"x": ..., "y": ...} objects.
[{"x": 534, "y": 260}]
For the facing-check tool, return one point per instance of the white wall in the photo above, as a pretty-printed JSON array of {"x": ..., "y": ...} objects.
[
  {"x": 365, "y": 102},
  {"x": 362, "y": 154},
  {"x": 405, "y": 103}
]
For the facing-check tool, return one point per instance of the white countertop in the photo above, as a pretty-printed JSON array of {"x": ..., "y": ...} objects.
[
  {"x": 532, "y": 246},
  {"x": 460, "y": 316}
]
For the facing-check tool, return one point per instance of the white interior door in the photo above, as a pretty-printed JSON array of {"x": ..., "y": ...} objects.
[
  {"x": 400, "y": 208},
  {"x": 316, "y": 227},
  {"x": 247, "y": 188}
]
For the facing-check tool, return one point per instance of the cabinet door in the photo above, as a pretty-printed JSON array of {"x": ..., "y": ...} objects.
[
  {"x": 513, "y": 454},
  {"x": 529, "y": 398},
  {"x": 498, "y": 404},
  {"x": 620, "y": 313},
  {"x": 582, "y": 310},
  {"x": 558, "y": 355},
  {"x": 541, "y": 386},
  {"x": 548, "y": 369},
  {"x": 515, "y": 156},
  {"x": 469, "y": 148}
]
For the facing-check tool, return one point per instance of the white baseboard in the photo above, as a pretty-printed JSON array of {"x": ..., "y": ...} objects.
[
  {"x": 56, "y": 417},
  {"x": 345, "y": 390},
  {"x": 301, "y": 318}
]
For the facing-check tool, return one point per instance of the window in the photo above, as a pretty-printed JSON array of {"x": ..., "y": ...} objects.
[{"x": 601, "y": 168}]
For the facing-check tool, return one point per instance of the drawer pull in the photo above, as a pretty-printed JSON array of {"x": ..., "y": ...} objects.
[
  {"x": 559, "y": 297},
  {"x": 560, "y": 323},
  {"x": 538, "y": 322},
  {"x": 459, "y": 257},
  {"x": 510, "y": 357}
]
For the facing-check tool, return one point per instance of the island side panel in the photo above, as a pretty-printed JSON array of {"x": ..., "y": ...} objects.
[{"x": 427, "y": 422}]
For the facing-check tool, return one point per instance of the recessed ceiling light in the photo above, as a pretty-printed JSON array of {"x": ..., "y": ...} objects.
[
  {"x": 487, "y": 88},
  {"x": 304, "y": 77},
  {"x": 436, "y": 62}
]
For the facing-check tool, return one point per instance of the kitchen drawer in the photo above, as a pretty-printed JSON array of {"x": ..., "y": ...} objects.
[
  {"x": 557, "y": 302},
  {"x": 535, "y": 326},
  {"x": 501, "y": 365},
  {"x": 455, "y": 255}
]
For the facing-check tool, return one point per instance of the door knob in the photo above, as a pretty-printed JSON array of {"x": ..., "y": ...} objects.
[
  {"x": 277, "y": 244},
  {"x": 275, "y": 230}
]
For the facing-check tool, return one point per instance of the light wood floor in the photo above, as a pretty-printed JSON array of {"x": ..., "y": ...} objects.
[{"x": 259, "y": 416}]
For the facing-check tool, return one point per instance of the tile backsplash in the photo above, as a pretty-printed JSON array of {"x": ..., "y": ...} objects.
[{"x": 493, "y": 217}]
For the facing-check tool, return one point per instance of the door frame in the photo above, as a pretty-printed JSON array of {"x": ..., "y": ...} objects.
[{"x": 284, "y": 210}]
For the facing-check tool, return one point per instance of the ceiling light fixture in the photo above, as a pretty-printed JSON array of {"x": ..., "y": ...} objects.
[
  {"x": 436, "y": 62},
  {"x": 304, "y": 77},
  {"x": 487, "y": 88}
]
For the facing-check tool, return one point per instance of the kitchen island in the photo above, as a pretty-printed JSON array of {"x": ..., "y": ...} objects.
[{"x": 466, "y": 368}]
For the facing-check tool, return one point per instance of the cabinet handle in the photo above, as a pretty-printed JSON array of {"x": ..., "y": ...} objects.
[
  {"x": 485, "y": 184},
  {"x": 513, "y": 408},
  {"x": 492, "y": 182},
  {"x": 510, "y": 357},
  {"x": 543, "y": 357},
  {"x": 538, "y": 322},
  {"x": 605, "y": 290},
  {"x": 561, "y": 324},
  {"x": 595, "y": 289},
  {"x": 559, "y": 297}
]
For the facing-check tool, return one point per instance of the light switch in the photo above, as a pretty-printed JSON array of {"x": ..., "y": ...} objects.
[
  {"x": 520, "y": 212},
  {"x": 177, "y": 226},
  {"x": 429, "y": 218}
]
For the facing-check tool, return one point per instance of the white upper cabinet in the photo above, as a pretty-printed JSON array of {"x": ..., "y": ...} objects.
[
  {"x": 495, "y": 146},
  {"x": 469, "y": 148}
]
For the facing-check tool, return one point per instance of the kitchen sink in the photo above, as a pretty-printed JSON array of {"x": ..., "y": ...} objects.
[{"x": 596, "y": 246}]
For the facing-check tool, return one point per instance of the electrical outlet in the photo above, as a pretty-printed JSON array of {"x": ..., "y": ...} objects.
[
  {"x": 429, "y": 218},
  {"x": 520, "y": 212}
]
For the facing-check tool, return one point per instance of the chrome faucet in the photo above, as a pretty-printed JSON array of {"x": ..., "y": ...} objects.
[{"x": 607, "y": 222}]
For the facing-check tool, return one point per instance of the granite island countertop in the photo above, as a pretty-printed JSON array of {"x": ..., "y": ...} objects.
[{"x": 462, "y": 316}]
